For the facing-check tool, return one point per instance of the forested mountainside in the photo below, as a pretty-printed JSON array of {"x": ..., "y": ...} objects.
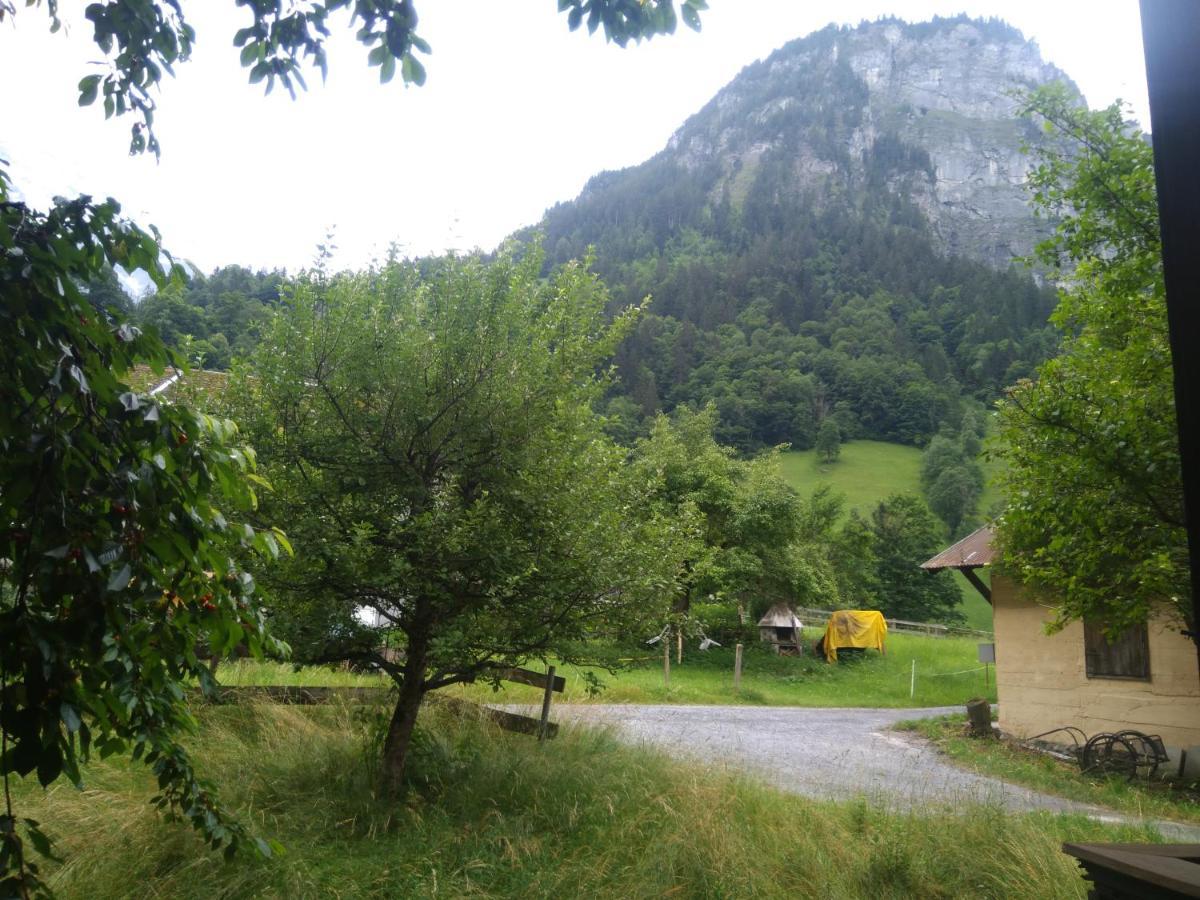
[{"x": 831, "y": 236}]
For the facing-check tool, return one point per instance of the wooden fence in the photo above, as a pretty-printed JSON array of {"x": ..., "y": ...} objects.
[
  {"x": 817, "y": 616},
  {"x": 542, "y": 727}
]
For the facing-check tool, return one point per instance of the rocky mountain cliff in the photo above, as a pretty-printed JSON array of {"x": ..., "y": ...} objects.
[{"x": 929, "y": 108}]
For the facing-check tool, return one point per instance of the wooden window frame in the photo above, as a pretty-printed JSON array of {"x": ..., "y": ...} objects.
[{"x": 1098, "y": 656}]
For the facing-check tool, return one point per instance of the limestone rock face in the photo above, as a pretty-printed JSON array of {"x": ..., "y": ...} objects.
[{"x": 925, "y": 111}]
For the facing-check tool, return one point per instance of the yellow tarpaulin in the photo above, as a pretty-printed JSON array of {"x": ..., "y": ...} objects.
[{"x": 854, "y": 628}]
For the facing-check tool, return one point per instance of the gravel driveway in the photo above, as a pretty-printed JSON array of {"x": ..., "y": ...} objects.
[{"x": 832, "y": 753}]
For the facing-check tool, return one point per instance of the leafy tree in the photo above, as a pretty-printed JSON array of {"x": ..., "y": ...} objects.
[
  {"x": 432, "y": 443},
  {"x": 749, "y": 517},
  {"x": 829, "y": 441},
  {"x": 118, "y": 545},
  {"x": 954, "y": 497},
  {"x": 142, "y": 39},
  {"x": 1095, "y": 515},
  {"x": 906, "y": 533},
  {"x": 951, "y": 475}
]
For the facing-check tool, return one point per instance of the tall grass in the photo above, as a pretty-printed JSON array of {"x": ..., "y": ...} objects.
[
  {"x": 1009, "y": 761},
  {"x": 498, "y": 815}
]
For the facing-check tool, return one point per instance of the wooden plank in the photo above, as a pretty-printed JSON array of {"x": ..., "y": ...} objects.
[
  {"x": 534, "y": 679},
  {"x": 1137, "y": 870},
  {"x": 511, "y": 721},
  {"x": 300, "y": 696},
  {"x": 547, "y": 697},
  {"x": 977, "y": 583}
]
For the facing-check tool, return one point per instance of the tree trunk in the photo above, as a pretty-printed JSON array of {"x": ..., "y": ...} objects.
[
  {"x": 979, "y": 715},
  {"x": 404, "y": 717}
]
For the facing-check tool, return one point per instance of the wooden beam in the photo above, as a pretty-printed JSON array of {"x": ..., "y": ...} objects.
[
  {"x": 977, "y": 583},
  {"x": 1171, "y": 37},
  {"x": 511, "y": 721},
  {"x": 534, "y": 679},
  {"x": 301, "y": 696}
]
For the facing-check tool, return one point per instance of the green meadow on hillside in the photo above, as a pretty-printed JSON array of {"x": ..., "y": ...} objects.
[{"x": 867, "y": 472}]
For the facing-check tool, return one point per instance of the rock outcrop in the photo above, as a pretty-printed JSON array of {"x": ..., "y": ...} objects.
[{"x": 928, "y": 111}]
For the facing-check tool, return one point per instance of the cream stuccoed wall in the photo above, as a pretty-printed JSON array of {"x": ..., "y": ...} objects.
[{"x": 1042, "y": 682}]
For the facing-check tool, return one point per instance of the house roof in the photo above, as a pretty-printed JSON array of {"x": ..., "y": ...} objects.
[
  {"x": 973, "y": 551},
  {"x": 780, "y": 616},
  {"x": 144, "y": 379}
]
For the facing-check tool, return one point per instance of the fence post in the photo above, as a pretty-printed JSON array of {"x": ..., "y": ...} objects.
[
  {"x": 912, "y": 684},
  {"x": 737, "y": 668},
  {"x": 667, "y": 662},
  {"x": 546, "y": 698}
]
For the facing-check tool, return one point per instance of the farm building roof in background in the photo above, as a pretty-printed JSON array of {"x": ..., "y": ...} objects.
[
  {"x": 780, "y": 616},
  {"x": 145, "y": 380},
  {"x": 971, "y": 552}
]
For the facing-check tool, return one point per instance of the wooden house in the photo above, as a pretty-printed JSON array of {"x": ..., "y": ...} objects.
[{"x": 1148, "y": 680}]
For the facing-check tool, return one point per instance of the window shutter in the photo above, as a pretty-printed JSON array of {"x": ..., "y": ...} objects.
[{"x": 1126, "y": 657}]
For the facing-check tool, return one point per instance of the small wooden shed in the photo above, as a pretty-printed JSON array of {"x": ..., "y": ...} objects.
[{"x": 780, "y": 628}]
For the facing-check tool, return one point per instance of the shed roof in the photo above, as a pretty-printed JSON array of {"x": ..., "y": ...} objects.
[
  {"x": 973, "y": 551},
  {"x": 780, "y": 616},
  {"x": 202, "y": 381}
]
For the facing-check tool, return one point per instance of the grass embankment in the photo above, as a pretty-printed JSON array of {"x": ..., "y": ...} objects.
[
  {"x": 869, "y": 471},
  {"x": 947, "y": 675},
  {"x": 1011, "y": 762},
  {"x": 498, "y": 815}
]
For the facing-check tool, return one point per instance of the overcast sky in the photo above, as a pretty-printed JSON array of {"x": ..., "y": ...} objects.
[{"x": 516, "y": 115}]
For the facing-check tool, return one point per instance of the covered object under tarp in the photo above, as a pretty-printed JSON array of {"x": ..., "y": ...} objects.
[{"x": 858, "y": 628}]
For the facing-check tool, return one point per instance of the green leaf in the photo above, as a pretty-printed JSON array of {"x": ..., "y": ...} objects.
[
  {"x": 120, "y": 579},
  {"x": 88, "y": 88},
  {"x": 413, "y": 71},
  {"x": 70, "y": 717},
  {"x": 49, "y": 765},
  {"x": 387, "y": 69}
]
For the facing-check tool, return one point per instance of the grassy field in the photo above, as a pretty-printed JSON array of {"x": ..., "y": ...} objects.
[
  {"x": 947, "y": 674},
  {"x": 1003, "y": 759},
  {"x": 867, "y": 472},
  {"x": 490, "y": 814}
]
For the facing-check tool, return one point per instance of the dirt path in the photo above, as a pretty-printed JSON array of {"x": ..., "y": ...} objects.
[{"x": 829, "y": 753}]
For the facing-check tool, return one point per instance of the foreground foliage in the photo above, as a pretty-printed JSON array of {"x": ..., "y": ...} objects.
[
  {"x": 492, "y": 814},
  {"x": 142, "y": 39},
  {"x": 118, "y": 553},
  {"x": 1093, "y": 477}
]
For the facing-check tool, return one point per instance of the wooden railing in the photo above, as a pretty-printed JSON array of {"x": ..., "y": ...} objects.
[{"x": 814, "y": 617}]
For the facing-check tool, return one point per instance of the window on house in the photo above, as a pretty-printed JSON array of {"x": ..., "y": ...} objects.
[{"x": 1126, "y": 657}]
